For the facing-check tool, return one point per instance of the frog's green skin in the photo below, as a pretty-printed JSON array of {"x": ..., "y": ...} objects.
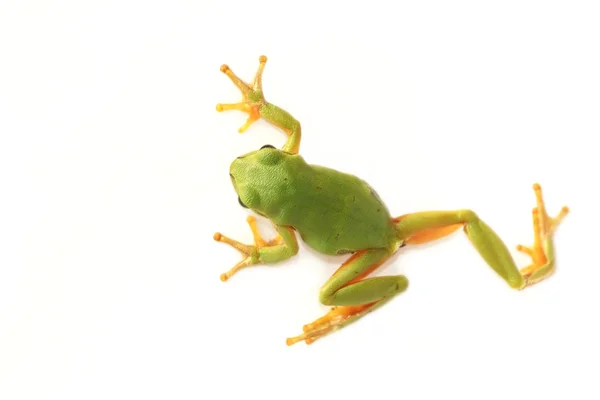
[
  {"x": 336, "y": 213},
  {"x": 326, "y": 207}
]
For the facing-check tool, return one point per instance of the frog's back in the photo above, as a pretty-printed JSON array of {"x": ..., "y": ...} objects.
[{"x": 334, "y": 212}]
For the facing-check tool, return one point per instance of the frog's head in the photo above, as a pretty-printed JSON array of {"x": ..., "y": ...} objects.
[{"x": 255, "y": 177}]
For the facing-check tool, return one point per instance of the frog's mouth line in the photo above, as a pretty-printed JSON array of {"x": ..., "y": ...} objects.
[{"x": 235, "y": 188}]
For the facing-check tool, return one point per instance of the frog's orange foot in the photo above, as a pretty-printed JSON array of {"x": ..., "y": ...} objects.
[
  {"x": 252, "y": 97},
  {"x": 250, "y": 253},
  {"x": 543, "y": 228},
  {"x": 333, "y": 320}
]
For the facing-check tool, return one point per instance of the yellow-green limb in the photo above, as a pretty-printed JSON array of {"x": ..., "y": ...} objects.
[
  {"x": 351, "y": 295},
  {"x": 430, "y": 225},
  {"x": 282, "y": 247},
  {"x": 254, "y": 104}
]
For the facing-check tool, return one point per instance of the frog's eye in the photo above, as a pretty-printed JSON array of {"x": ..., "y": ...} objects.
[
  {"x": 242, "y": 204},
  {"x": 267, "y": 146}
]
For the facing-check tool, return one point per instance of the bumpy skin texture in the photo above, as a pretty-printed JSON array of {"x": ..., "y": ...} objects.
[{"x": 334, "y": 212}]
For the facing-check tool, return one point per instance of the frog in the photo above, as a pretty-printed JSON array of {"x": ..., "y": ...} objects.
[{"x": 339, "y": 214}]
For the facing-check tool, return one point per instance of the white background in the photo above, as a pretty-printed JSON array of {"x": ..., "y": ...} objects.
[{"x": 114, "y": 177}]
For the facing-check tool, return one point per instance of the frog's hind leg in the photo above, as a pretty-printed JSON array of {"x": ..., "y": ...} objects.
[
  {"x": 430, "y": 225},
  {"x": 351, "y": 295}
]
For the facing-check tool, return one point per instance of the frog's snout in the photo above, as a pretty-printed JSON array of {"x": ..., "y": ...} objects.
[{"x": 232, "y": 178}]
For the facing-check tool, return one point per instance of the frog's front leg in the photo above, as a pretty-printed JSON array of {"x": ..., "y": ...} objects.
[
  {"x": 284, "y": 246},
  {"x": 254, "y": 103},
  {"x": 351, "y": 295}
]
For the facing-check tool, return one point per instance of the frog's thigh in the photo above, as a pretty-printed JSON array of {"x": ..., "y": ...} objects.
[
  {"x": 347, "y": 288},
  {"x": 351, "y": 295},
  {"x": 424, "y": 226}
]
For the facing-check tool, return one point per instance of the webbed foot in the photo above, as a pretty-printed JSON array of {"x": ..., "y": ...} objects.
[
  {"x": 252, "y": 96},
  {"x": 541, "y": 253},
  {"x": 250, "y": 253},
  {"x": 335, "y": 319}
]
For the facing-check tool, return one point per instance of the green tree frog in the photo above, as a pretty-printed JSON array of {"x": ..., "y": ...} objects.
[{"x": 336, "y": 213}]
